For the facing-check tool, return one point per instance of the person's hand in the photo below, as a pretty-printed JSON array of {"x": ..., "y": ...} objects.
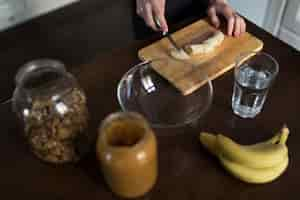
[
  {"x": 235, "y": 24},
  {"x": 150, "y": 9}
]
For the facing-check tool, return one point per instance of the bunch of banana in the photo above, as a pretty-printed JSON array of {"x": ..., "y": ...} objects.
[{"x": 258, "y": 163}]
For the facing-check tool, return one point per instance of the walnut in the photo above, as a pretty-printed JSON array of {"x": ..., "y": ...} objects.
[{"x": 55, "y": 129}]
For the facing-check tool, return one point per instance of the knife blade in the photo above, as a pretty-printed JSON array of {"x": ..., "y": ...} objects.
[
  {"x": 6, "y": 100},
  {"x": 168, "y": 35}
]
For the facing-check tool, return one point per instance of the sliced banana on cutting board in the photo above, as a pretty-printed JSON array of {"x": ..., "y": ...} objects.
[
  {"x": 205, "y": 47},
  {"x": 180, "y": 54}
]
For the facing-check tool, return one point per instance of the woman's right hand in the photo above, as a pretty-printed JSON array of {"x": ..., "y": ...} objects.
[{"x": 151, "y": 9}]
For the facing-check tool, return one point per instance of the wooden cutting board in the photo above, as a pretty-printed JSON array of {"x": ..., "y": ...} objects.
[{"x": 191, "y": 74}]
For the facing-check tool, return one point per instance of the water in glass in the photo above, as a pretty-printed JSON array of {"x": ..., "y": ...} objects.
[{"x": 250, "y": 90}]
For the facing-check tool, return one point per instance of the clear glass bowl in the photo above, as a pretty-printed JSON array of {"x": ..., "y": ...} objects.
[{"x": 143, "y": 90}]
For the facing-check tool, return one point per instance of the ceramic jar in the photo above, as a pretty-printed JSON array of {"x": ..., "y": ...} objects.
[{"x": 127, "y": 151}]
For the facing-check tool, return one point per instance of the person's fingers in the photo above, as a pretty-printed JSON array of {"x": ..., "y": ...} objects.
[
  {"x": 159, "y": 12},
  {"x": 212, "y": 14},
  {"x": 139, "y": 8},
  {"x": 243, "y": 26},
  {"x": 163, "y": 22},
  {"x": 230, "y": 26},
  {"x": 237, "y": 26},
  {"x": 230, "y": 22},
  {"x": 148, "y": 16},
  {"x": 228, "y": 13}
]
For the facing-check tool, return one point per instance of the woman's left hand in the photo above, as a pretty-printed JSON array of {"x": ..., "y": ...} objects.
[{"x": 235, "y": 23}]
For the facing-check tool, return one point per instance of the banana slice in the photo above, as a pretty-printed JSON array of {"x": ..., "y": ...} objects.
[{"x": 179, "y": 54}]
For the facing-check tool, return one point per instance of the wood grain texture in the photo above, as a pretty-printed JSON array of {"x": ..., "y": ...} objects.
[{"x": 189, "y": 75}]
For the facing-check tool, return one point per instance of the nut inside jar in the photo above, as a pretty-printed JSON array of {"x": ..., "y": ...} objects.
[
  {"x": 56, "y": 132},
  {"x": 53, "y": 110}
]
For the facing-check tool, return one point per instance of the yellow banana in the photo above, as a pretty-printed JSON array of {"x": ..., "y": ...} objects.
[
  {"x": 259, "y": 163},
  {"x": 209, "y": 141},
  {"x": 260, "y": 155},
  {"x": 250, "y": 175}
]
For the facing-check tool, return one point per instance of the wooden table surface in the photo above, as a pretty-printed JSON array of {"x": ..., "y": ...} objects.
[{"x": 186, "y": 170}]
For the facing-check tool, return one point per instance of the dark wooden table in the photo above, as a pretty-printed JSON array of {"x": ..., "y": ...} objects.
[{"x": 99, "y": 57}]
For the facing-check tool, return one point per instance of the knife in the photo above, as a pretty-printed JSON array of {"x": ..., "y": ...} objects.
[
  {"x": 168, "y": 35},
  {"x": 5, "y": 100}
]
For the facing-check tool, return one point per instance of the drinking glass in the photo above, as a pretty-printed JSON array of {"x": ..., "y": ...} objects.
[{"x": 252, "y": 80}]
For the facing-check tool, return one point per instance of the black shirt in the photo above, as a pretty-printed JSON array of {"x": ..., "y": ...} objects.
[{"x": 176, "y": 11}]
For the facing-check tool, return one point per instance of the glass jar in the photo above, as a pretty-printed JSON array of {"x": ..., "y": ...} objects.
[{"x": 53, "y": 111}]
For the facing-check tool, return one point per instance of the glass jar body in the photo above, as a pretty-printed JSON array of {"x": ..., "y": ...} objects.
[{"x": 53, "y": 112}]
